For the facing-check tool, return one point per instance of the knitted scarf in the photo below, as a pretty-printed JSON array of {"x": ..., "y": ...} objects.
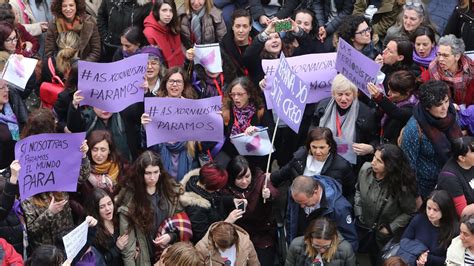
[
  {"x": 196, "y": 25},
  {"x": 184, "y": 160},
  {"x": 8, "y": 117},
  {"x": 440, "y": 132},
  {"x": 425, "y": 61},
  {"x": 457, "y": 82},
  {"x": 412, "y": 100},
  {"x": 65, "y": 26},
  {"x": 242, "y": 118},
  {"x": 109, "y": 168}
]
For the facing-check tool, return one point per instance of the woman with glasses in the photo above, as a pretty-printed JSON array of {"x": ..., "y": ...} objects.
[
  {"x": 244, "y": 112},
  {"x": 177, "y": 157},
  {"x": 457, "y": 175},
  {"x": 148, "y": 196},
  {"x": 322, "y": 244},
  {"x": 357, "y": 31},
  {"x": 20, "y": 38},
  {"x": 412, "y": 16},
  {"x": 461, "y": 250},
  {"x": 455, "y": 68}
]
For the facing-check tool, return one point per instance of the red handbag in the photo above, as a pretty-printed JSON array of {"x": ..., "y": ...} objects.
[{"x": 49, "y": 91}]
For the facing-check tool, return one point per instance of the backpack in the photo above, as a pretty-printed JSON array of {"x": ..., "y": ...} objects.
[{"x": 49, "y": 91}]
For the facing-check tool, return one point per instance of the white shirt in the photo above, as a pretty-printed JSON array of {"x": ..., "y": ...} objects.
[
  {"x": 313, "y": 166},
  {"x": 229, "y": 254}
]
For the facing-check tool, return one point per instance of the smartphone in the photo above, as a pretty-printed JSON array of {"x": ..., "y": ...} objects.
[
  {"x": 241, "y": 206},
  {"x": 283, "y": 25}
]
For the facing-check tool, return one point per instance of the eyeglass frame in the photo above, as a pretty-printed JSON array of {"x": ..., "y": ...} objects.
[
  {"x": 326, "y": 247},
  {"x": 175, "y": 81},
  {"x": 368, "y": 29},
  {"x": 414, "y": 4},
  {"x": 239, "y": 94},
  {"x": 12, "y": 40}
]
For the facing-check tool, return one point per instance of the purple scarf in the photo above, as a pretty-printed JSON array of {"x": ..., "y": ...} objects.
[
  {"x": 243, "y": 117},
  {"x": 9, "y": 118},
  {"x": 425, "y": 61}
]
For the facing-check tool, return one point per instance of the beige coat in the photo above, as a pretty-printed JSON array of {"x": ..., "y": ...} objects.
[
  {"x": 246, "y": 254},
  {"x": 455, "y": 254}
]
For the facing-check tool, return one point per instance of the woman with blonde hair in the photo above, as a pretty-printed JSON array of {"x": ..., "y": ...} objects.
[
  {"x": 180, "y": 254},
  {"x": 68, "y": 45},
  {"x": 320, "y": 244}
]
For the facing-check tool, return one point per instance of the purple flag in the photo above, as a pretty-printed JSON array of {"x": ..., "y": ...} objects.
[
  {"x": 179, "y": 119},
  {"x": 49, "y": 162},
  {"x": 317, "y": 70},
  {"x": 113, "y": 87},
  {"x": 288, "y": 95},
  {"x": 355, "y": 66}
]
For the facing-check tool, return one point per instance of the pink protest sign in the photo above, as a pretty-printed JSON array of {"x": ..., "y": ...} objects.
[
  {"x": 355, "y": 66},
  {"x": 316, "y": 70},
  {"x": 49, "y": 162},
  {"x": 113, "y": 86},
  {"x": 179, "y": 119}
]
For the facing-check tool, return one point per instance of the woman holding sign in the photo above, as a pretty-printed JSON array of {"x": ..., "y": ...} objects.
[
  {"x": 149, "y": 195},
  {"x": 243, "y": 111},
  {"x": 177, "y": 157},
  {"x": 71, "y": 16},
  {"x": 257, "y": 220},
  {"x": 351, "y": 122},
  {"x": 49, "y": 214}
]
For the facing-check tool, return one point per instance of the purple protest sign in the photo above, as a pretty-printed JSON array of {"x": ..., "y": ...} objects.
[
  {"x": 49, "y": 162},
  {"x": 113, "y": 87},
  {"x": 317, "y": 70},
  {"x": 179, "y": 119},
  {"x": 288, "y": 95},
  {"x": 355, "y": 66}
]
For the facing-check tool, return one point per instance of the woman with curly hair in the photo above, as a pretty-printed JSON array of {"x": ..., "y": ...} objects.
[
  {"x": 357, "y": 31},
  {"x": 71, "y": 16},
  {"x": 149, "y": 195},
  {"x": 243, "y": 112},
  {"x": 385, "y": 196}
]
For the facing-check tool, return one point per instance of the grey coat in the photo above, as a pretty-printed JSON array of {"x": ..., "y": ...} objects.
[{"x": 297, "y": 254}]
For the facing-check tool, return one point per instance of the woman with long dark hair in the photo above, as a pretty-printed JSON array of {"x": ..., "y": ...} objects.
[
  {"x": 162, "y": 28},
  {"x": 108, "y": 242},
  {"x": 148, "y": 196},
  {"x": 430, "y": 233},
  {"x": 252, "y": 184},
  {"x": 385, "y": 196}
]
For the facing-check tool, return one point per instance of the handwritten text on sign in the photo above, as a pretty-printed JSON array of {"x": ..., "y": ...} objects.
[
  {"x": 75, "y": 240},
  {"x": 317, "y": 70},
  {"x": 288, "y": 95},
  {"x": 113, "y": 86},
  {"x": 355, "y": 66},
  {"x": 177, "y": 119},
  {"x": 49, "y": 162}
]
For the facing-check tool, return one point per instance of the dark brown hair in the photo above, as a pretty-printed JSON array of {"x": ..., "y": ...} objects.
[
  {"x": 223, "y": 235},
  {"x": 93, "y": 209},
  {"x": 40, "y": 121},
  {"x": 249, "y": 87},
  {"x": 320, "y": 133},
  {"x": 56, "y": 8},
  {"x": 174, "y": 24},
  {"x": 97, "y": 136},
  {"x": 188, "y": 91}
]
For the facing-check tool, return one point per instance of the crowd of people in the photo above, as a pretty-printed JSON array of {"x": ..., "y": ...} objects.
[{"x": 385, "y": 178}]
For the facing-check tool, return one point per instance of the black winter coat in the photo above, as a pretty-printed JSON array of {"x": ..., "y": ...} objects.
[
  {"x": 335, "y": 167},
  {"x": 366, "y": 127},
  {"x": 461, "y": 24},
  {"x": 10, "y": 226},
  {"x": 322, "y": 8}
]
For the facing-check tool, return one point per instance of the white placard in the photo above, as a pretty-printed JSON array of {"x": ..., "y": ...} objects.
[
  {"x": 18, "y": 70},
  {"x": 258, "y": 143},
  {"x": 75, "y": 240}
]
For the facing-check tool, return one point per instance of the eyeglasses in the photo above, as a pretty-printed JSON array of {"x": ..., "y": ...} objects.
[
  {"x": 175, "y": 81},
  {"x": 11, "y": 40},
  {"x": 366, "y": 30},
  {"x": 443, "y": 55},
  {"x": 321, "y": 247},
  {"x": 237, "y": 94}
]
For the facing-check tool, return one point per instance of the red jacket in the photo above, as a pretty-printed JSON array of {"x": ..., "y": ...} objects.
[
  {"x": 169, "y": 43},
  {"x": 8, "y": 255},
  {"x": 24, "y": 36}
]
